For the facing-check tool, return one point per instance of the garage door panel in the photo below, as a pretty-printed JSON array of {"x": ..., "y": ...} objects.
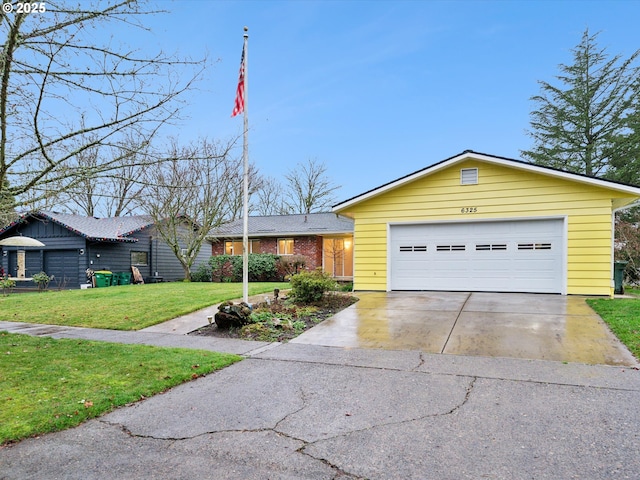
[
  {"x": 63, "y": 266},
  {"x": 518, "y": 256}
]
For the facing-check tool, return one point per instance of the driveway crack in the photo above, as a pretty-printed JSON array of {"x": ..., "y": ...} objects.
[
  {"x": 421, "y": 362},
  {"x": 451, "y": 411}
]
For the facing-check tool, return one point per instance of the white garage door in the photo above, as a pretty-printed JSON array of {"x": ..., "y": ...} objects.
[{"x": 509, "y": 256}]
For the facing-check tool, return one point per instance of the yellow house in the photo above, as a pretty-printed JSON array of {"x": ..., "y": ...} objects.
[{"x": 477, "y": 222}]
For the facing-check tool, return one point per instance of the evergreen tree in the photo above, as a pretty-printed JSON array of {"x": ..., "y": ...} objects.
[
  {"x": 583, "y": 125},
  {"x": 625, "y": 167}
]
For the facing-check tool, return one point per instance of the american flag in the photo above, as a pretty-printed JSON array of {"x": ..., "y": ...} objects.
[{"x": 239, "y": 105}]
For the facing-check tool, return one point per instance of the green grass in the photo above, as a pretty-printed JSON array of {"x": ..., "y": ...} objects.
[
  {"x": 632, "y": 291},
  {"x": 48, "y": 385},
  {"x": 623, "y": 317},
  {"x": 125, "y": 307}
]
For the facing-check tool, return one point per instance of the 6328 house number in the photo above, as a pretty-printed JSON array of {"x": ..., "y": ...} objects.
[{"x": 469, "y": 210}]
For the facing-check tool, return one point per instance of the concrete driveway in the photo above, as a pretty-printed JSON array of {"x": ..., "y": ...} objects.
[
  {"x": 529, "y": 326},
  {"x": 295, "y": 411}
]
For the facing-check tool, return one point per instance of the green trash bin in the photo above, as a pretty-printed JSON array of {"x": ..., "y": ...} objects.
[
  {"x": 114, "y": 279},
  {"x": 124, "y": 278},
  {"x": 102, "y": 279},
  {"x": 618, "y": 277}
]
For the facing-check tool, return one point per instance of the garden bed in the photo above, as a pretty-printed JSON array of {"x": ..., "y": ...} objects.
[{"x": 282, "y": 320}]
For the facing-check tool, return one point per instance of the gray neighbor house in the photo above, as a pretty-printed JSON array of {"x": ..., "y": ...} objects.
[{"x": 75, "y": 243}]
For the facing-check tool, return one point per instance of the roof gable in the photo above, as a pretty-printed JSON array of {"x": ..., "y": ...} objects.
[{"x": 632, "y": 191}]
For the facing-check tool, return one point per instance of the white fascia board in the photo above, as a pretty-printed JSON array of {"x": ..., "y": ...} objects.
[
  {"x": 635, "y": 191},
  {"x": 598, "y": 182}
]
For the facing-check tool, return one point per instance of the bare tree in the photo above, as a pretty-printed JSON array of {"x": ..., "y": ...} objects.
[
  {"x": 112, "y": 193},
  {"x": 65, "y": 92},
  {"x": 268, "y": 198},
  {"x": 85, "y": 194},
  {"x": 308, "y": 188},
  {"x": 236, "y": 192},
  {"x": 189, "y": 194},
  {"x": 7, "y": 202}
]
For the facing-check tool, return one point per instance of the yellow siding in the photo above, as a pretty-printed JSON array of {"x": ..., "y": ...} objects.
[{"x": 501, "y": 193}]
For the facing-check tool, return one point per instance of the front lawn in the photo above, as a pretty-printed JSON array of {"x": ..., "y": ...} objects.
[
  {"x": 125, "y": 307},
  {"x": 48, "y": 385},
  {"x": 623, "y": 317}
]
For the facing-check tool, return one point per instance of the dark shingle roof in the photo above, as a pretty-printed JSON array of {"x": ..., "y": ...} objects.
[
  {"x": 116, "y": 229},
  {"x": 281, "y": 225}
]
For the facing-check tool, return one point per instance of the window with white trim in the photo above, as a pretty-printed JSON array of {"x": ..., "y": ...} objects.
[
  {"x": 234, "y": 247},
  {"x": 285, "y": 246}
]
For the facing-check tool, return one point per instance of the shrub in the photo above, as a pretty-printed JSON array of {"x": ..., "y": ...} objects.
[
  {"x": 7, "y": 285},
  {"x": 203, "y": 273},
  {"x": 288, "y": 265},
  {"x": 309, "y": 286},
  {"x": 262, "y": 267},
  {"x": 42, "y": 279},
  {"x": 228, "y": 268},
  {"x": 224, "y": 268}
]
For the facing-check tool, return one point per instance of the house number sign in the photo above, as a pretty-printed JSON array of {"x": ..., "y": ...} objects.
[{"x": 469, "y": 210}]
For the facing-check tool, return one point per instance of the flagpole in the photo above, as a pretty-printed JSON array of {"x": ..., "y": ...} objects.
[{"x": 245, "y": 192}]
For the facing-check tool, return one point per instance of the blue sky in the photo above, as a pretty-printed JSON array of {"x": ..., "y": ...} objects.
[{"x": 378, "y": 89}]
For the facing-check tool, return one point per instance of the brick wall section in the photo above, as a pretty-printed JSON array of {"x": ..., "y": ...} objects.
[
  {"x": 217, "y": 248},
  {"x": 269, "y": 245},
  {"x": 310, "y": 247}
]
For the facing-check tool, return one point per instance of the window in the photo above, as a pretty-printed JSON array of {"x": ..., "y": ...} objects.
[
  {"x": 534, "y": 246},
  {"x": 468, "y": 176},
  {"x": 139, "y": 258},
  {"x": 413, "y": 248},
  {"x": 337, "y": 256},
  {"x": 285, "y": 246},
  {"x": 235, "y": 247},
  {"x": 491, "y": 246},
  {"x": 231, "y": 247},
  {"x": 450, "y": 248}
]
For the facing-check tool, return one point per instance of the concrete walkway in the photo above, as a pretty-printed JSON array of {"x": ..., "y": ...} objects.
[
  {"x": 301, "y": 411},
  {"x": 192, "y": 321}
]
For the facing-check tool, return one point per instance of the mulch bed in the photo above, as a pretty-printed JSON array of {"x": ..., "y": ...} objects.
[{"x": 326, "y": 308}]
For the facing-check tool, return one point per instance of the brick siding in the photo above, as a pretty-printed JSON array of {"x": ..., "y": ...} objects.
[{"x": 309, "y": 246}]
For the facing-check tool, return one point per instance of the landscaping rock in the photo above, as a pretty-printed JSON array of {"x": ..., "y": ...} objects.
[{"x": 231, "y": 315}]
